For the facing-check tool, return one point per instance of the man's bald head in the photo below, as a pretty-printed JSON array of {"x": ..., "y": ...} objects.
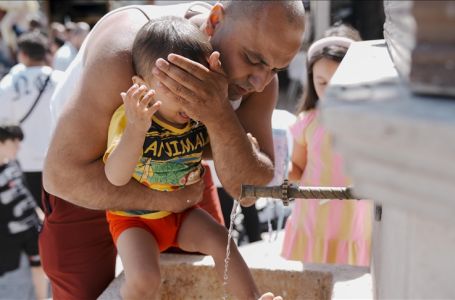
[
  {"x": 239, "y": 9},
  {"x": 255, "y": 40}
]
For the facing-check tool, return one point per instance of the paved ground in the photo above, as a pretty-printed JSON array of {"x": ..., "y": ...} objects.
[{"x": 17, "y": 285}]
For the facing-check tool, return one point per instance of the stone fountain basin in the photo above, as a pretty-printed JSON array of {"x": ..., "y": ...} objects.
[{"x": 187, "y": 276}]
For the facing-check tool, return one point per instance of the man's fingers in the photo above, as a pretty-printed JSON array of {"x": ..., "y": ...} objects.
[
  {"x": 247, "y": 202},
  {"x": 163, "y": 90},
  {"x": 194, "y": 68},
  {"x": 253, "y": 140},
  {"x": 167, "y": 84},
  {"x": 177, "y": 80}
]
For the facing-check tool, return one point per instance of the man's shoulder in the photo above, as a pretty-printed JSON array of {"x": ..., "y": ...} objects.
[
  {"x": 113, "y": 36},
  {"x": 122, "y": 24}
]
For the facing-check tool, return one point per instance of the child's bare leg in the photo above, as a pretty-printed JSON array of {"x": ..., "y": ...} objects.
[
  {"x": 140, "y": 257},
  {"x": 199, "y": 223},
  {"x": 40, "y": 282}
]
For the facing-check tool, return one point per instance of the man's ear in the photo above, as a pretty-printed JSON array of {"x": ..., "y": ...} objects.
[{"x": 215, "y": 17}]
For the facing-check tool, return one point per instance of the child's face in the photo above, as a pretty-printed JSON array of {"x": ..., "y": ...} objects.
[
  {"x": 323, "y": 70},
  {"x": 170, "y": 111},
  {"x": 9, "y": 149}
]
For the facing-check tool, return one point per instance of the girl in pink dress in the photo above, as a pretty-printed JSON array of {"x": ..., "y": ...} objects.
[{"x": 335, "y": 231}]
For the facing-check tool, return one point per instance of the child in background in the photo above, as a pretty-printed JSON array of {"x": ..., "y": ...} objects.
[
  {"x": 19, "y": 221},
  {"x": 25, "y": 94},
  {"x": 336, "y": 231},
  {"x": 152, "y": 140}
]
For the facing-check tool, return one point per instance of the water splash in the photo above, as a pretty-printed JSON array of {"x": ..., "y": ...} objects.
[{"x": 228, "y": 248}]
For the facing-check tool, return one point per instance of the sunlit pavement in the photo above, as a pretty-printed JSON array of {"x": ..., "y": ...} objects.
[{"x": 17, "y": 285}]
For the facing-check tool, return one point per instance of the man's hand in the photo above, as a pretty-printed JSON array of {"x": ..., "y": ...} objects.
[
  {"x": 202, "y": 92},
  {"x": 249, "y": 201},
  {"x": 254, "y": 142},
  {"x": 185, "y": 198}
]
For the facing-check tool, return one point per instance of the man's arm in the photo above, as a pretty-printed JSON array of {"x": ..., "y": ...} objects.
[
  {"x": 236, "y": 159},
  {"x": 73, "y": 168}
]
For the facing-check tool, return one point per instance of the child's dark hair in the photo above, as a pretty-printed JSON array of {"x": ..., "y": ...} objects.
[
  {"x": 10, "y": 132},
  {"x": 162, "y": 36},
  {"x": 336, "y": 53},
  {"x": 33, "y": 44}
]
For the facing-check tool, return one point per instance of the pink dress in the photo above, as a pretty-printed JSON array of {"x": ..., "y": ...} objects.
[{"x": 337, "y": 231}]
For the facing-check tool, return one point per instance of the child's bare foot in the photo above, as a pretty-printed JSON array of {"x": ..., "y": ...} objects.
[{"x": 270, "y": 296}]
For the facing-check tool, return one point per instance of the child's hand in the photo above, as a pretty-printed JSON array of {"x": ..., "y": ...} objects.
[{"x": 139, "y": 107}]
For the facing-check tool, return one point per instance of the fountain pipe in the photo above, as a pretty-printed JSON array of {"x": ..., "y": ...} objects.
[{"x": 288, "y": 192}]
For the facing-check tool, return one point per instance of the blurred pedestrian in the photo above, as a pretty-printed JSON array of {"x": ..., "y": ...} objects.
[
  {"x": 76, "y": 33},
  {"x": 25, "y": 94},
  {"x": 337, "y": 231},
  {"x": 19, "y": 222}
]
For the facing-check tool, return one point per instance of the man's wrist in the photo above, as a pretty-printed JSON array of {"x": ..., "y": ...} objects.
[{"x": 219, "y": 121}]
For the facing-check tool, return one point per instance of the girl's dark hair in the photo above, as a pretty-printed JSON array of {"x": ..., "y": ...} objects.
[
  {"x": 11, "y": 132},
  {"x": 162, "y": 36},
  {"x": 335, "y": 53}
]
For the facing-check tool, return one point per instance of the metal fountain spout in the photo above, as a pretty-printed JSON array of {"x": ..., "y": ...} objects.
[{"x": 288, "y": 192}]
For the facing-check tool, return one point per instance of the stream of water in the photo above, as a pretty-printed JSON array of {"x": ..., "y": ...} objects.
[{"x": 228, "y": 248}]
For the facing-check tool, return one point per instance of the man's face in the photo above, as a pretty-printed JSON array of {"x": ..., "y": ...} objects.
[{"x": 253, "y": 50}]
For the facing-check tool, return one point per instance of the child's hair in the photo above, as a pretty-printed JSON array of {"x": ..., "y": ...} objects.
[
  {"x": 162, "y": 36},
  {"x": 10, "y": 132},
  {"x": 33, "y": 44},
  {"x": 334, "y": 46}
]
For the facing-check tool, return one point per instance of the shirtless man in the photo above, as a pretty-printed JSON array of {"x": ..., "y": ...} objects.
[{"x": 255, "y": 39}]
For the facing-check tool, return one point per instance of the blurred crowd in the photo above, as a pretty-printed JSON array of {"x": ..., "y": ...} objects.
[
  {"x": 20, "y": 17},
  {"x": 33, "y": 57}
]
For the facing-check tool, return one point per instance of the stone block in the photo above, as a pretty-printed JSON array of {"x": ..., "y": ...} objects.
[
  {"x": 399, "y": 150},
  {"x": 186, "y": 276}
]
